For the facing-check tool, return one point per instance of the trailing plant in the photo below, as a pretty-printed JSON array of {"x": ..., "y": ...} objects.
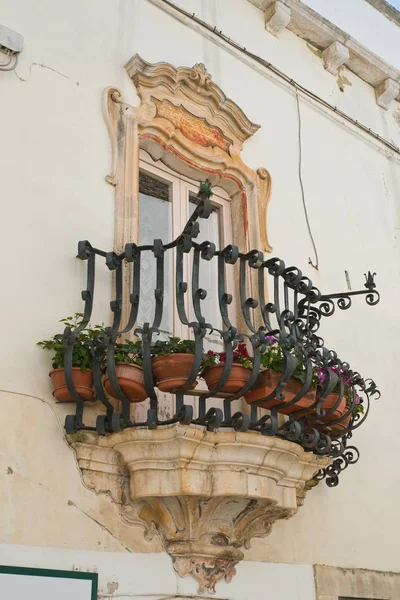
[
  {"x": 348, "y": 390},
  {"x": 240, "y": 356},
  {"x": 273, "y": 358},
  {"x": 174, "y": 345},
  {"x": 81, "y": 355}
]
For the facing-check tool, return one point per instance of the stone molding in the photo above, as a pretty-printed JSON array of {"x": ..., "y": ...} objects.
[
  {"x": 333, "y": 583},
  {"x": 277, "y": 17},
  {"x": 206, "y": 494},
  {"x": 321, "y": 33},
  {"x": 386, "y": 9}
]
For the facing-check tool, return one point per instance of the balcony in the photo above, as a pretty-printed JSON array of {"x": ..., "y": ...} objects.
[{"x": 211, "y": 477}]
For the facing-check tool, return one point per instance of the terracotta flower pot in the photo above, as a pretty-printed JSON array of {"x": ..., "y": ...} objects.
[
  {"x": 266, "y": 384},
  {"x": 172, "y": 370},
  {"x": 238, "y": 377},
  {"x": 83, "y": 382},
  {"x": 328, "y": 404},
  {"x": 131, "y": 381}
]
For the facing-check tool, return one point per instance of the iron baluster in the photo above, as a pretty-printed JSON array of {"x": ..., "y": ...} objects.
[{"x": 85, "y": 252}]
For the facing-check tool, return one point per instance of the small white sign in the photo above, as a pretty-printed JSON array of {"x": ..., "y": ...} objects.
[{"x": 19, "y": 583}]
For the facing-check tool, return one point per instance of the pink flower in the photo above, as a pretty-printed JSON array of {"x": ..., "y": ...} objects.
[
  {"x": 358, "y": 399},
  {"x": 321, "y": 375}
]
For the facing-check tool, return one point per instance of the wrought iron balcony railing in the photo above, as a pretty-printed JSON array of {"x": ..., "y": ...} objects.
[{"x": 288, "y": 307}]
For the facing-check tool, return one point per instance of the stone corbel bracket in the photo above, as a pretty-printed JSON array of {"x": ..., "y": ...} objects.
[
  {"x": 385, "y": 93},
  {"x": 277, "y": 17},
  {"x": 335, "y": 56},
  {"x": 206, "y": 494}
]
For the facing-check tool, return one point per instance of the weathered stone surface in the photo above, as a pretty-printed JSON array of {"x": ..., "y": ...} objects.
[
  {"x": 206, "y": 494},
  {"x": 277, "y": 17},
  {"x": 334, "y": 582},
  {"x": 335, "y": 56},
  {"x": 386, "y": 93}
]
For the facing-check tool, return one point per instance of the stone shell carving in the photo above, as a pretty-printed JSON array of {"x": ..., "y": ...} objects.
[{"x": 206, "y": 494}]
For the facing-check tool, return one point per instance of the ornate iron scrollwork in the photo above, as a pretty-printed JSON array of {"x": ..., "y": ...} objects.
[{"x": 291, "y": 316}]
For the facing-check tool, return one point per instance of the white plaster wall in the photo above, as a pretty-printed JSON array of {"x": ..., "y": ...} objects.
[{"x": 54, "y": 154}]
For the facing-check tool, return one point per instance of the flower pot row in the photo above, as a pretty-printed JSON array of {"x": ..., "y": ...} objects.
[
  {"x": 172, "y": 363},
  {"x": 170, "y": 372},
  {"x": 267, "y": 383}
]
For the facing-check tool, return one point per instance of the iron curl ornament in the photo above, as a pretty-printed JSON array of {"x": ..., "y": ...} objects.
[{"x": 288, "y": 312}]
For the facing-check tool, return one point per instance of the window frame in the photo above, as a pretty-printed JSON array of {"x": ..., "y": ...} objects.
[
  {"x": 55, "y": 573},
  {"x": 181, "y": 187}
]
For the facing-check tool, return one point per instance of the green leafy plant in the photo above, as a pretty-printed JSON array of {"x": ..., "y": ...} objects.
[
  {"x": 81, "y": 356},
  {"x": 129, "y": 352},
  {"x": 273, "y": 359},
  {"x": 240, "y": 355},
  {"x": 205, "y": 189},
  {"x": 174, "y": 345}
]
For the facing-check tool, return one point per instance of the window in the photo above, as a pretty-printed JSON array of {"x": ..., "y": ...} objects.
[{"x": 166, "y": 202}]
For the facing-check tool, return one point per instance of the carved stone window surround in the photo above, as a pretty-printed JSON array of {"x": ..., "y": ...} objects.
[{"x": 185, "y": 121}]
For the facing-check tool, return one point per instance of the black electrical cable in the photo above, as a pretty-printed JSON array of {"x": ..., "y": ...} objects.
[{"x": 316, "y": 264}]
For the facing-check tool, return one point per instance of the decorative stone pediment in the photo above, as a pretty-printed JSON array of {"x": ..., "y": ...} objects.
[
  {"x": 191, "y": 101},
  {"x": 206, "y": 494}
]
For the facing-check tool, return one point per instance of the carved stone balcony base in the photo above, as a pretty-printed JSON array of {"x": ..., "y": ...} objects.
[{"x": 206, "y": 494}]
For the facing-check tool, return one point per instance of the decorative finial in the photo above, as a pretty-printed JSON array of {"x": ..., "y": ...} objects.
[
  {"x": 200, "y": 74},
  {"x": 205, "y": 189},
  {"x": 369, "y": 280}
]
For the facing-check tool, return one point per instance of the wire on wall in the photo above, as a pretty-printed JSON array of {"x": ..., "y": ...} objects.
[
  {"x": 11, "y": 61},
  {"x": 299, "y": 88},
  {"x": 316, "y": 264}
]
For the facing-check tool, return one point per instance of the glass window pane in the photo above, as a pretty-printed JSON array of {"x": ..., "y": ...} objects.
[
  {"x": 155, "y": 222},
  {"x": 208, "y": 279}
]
